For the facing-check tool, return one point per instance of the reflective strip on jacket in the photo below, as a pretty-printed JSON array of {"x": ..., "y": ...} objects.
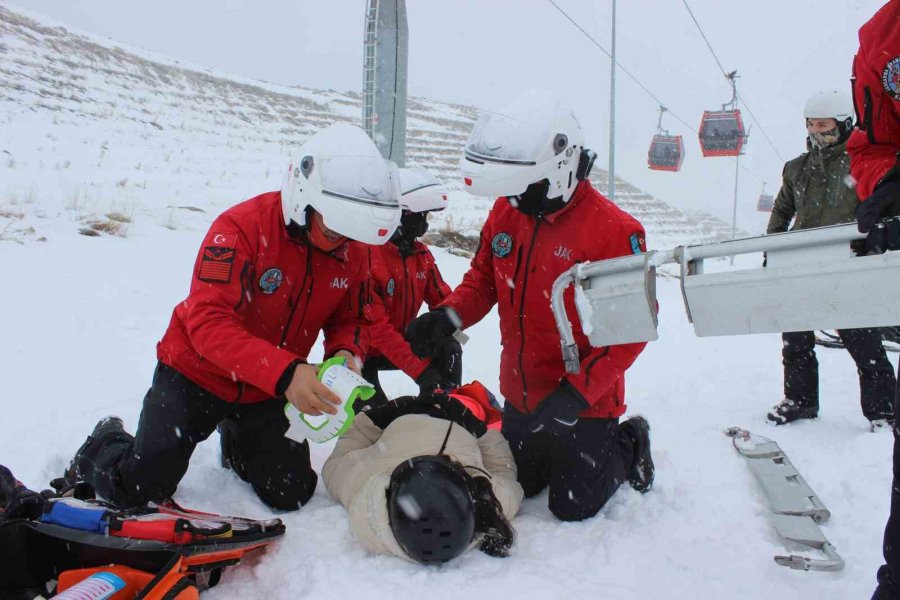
[{"x": 258, "y": 299}]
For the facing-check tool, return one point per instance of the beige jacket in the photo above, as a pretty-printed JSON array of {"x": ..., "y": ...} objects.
[{"x": 357, "y": 474}]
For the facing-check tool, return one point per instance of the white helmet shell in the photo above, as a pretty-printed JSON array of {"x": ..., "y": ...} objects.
[
  {"x": 531, "y": 139},
  {"x": 420, "y": 191},
  {"x": 342, "y": 176},
  {"x": 829, "y": 104}
]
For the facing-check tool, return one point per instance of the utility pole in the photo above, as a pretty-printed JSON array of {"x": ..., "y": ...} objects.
[{"x": 611, "y": 191}]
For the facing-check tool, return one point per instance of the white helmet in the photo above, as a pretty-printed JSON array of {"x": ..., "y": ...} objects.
[
  {"x": 829, "y": 104},
  {"x": 420, "y": 191},
  {"x": 340, "y": 173},
  {"x": 531, "y": 139}
]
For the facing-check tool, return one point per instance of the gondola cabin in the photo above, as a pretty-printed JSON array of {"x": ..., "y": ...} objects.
[
  {"x": 765, "y": 203},
  {"x": 666, "y": 153},
  {"x": 722, "y": 133}
]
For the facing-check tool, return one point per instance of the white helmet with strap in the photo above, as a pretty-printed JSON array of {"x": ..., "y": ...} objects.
[
  {"x": 340, "y": 174},
  {"x": 829, "y": 104},
  {"x": 531, "y": 139},
  {"x": 420, "y": 191}
]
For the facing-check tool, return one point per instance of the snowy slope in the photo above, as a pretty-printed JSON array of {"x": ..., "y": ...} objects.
[
  {"x": 80, "y": 320},
  {"x": 89, "y": 127}
]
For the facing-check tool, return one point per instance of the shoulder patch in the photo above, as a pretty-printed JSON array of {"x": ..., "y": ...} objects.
[
  {"x": 638, "y": 243},
  {"x": 271, "y": 280},
  {"x": 215, "y": 264},
  {"x": 502, "y": 245},
  {"x": 890, "y": 78}
]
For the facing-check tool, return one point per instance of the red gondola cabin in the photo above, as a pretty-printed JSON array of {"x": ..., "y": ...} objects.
[
  {"x": 722, "y": 133},
  {"x": 666, "y": 153}
]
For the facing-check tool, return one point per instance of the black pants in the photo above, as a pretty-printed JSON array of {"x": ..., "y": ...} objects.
[
  {"x": 876, "y": 375},
  {"x": 370, "y": 370},
  {"x": 889, "y": 573},
  {"x": 584, "y": 467},
  {"x": 176, "y": 416}
]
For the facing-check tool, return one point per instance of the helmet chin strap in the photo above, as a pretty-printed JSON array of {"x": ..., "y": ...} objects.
[{"x": 534, "y": 201}]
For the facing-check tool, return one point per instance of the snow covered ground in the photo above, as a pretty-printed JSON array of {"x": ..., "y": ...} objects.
[{"x": 80, "y": 317}]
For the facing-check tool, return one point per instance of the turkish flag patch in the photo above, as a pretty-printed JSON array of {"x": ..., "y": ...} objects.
[{"x": 215, "y": 264}]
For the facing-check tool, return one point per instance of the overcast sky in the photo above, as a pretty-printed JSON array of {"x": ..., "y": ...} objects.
[{"x": 480, "y": 51}]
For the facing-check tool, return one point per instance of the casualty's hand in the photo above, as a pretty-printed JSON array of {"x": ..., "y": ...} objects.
[
  {"x": 309, "y": 395},
  {"x": 353, "y": 363}
]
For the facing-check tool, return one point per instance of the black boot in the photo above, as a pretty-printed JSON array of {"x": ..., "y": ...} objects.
[
  {"x": 640, "y": 474},
  {"x": 790, "y": 410},
  {"x": 85, "y": 462}
]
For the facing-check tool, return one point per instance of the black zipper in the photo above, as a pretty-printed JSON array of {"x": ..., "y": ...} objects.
[
  {"x": 287, "y": 325},
  {"x": 512, "y": 289},
  {"x": 522, "y": 315},
  {"x": 407, "y": 292},
  {"x": 867, "y": 114}
]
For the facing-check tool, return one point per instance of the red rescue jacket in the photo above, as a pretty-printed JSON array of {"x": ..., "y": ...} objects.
[
  {"x": 518, "y": 259},
  {"x": 873, "y": 147},
  {"x": 259, "y": 298},
  {"x": 398, "y": 287}
]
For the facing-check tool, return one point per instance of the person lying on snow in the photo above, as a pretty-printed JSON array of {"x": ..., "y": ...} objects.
[{"x": 427, "y": 478}]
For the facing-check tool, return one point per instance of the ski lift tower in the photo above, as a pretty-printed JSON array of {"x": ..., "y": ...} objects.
[{"x": 385, "y": 56}]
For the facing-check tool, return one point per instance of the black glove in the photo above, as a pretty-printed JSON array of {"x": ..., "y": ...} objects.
[
  {"x": 874, "y": 207},
  {"x": 559, "y": 410},
  {"x": 439, "y": 405},
  {"x": 426, "y": 334},
  {"x": 883, "y": 236},
  {"x": 17, "y": 501},
  {"x": 445, "y": 370}
]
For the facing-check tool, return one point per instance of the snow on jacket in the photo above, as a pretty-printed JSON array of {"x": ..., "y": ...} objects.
[
  {"x": 815, "y": 189},
  {"x": 258, "y": 299},
  {"x": 518, "y": 259},
  {"x": 398, "y": 287},
  {"x": 873, "y": 147},
  {"x": 358, "y": 472}
]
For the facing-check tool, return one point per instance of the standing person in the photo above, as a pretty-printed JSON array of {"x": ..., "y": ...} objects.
[
  {"x": 873, "y": 149},
  {"x": 563, "y": 429},
  {"x": 404, "y": 275},
  {"x": 815, "y": 192},
  {"x": 271, "y": 274},
  {"x": 427, "y": 478}
]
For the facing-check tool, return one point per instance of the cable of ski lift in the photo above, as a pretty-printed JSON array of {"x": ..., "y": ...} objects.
[{"x": 637, "y": 81}]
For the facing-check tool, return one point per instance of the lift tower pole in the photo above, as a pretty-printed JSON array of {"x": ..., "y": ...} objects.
[
  {"x": 385, "y": 57},
  {"x": 611, "y": 189}
]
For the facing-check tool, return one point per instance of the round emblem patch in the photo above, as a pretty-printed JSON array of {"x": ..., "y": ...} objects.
[
  {"x": 890, "y": 78},
  {"x": 390, "y": 286},
  {"x": 270, "y": 280},
  {"x": 501, "y": 245}
]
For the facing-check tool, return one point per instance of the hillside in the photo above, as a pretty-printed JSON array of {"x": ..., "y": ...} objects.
[{"x": 91, "y": 128}]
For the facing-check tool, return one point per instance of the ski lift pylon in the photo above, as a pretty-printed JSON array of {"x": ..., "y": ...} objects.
[
  {"x": 722, "y": 132},
  {"x": 666, "y": 151}
]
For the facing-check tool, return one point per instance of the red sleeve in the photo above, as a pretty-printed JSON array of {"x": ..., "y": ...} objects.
[
  {"x": 215, "y": 328},
  {"x": 604, "y": 367},
  {"x": 436, "y": 289},
  {"x": 382, "y": 334},
  {"x": 476, "y": 295},
  {"x": 873, "y": 146},
  {"x": 347, "y": 327}
]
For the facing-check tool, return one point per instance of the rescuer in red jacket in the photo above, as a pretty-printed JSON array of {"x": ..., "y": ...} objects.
[
  {"x": 403, "y": 276},
  {"x": 272, "y": 272},
  {"x": 873, "y": 149},
  {"x": 563, "y": 429}
]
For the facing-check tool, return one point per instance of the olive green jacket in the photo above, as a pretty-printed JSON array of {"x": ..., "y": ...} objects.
[{"x": 815, "y": 191}]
